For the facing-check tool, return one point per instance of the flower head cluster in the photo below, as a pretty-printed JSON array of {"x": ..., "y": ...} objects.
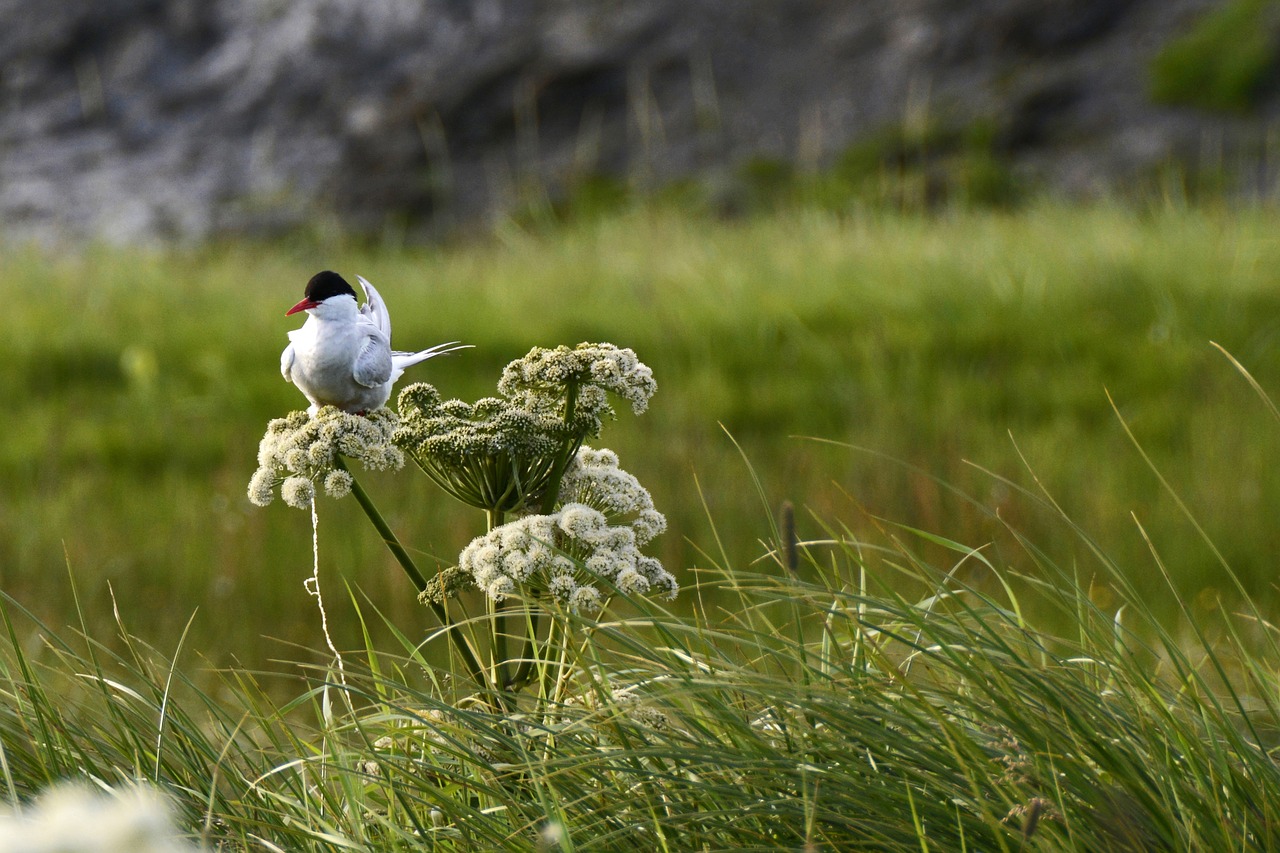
[
  {"x": 76, "y": 817},
  {"x": 572, "y": 382},
  {"x": 491, "y": 454},
  {"x": 454, "y": 431},
  {"x": 300, "y": 451},
  {"x": 594, "y": 479},
  {"x": 503, "y": 453},
  {"x": 565, "y": 553}
]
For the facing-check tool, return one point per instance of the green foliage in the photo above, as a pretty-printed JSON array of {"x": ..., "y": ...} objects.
[
  {"x": 1000, "y": 669},
  {"x": 930, "y": 340},
  {"x": 902, "y": 168},
  {"x": 828, "y": 714},
  {"x": 1224, "y": 62}
]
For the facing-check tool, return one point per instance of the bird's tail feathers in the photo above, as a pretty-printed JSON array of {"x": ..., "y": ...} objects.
[{"x": 402, "y": 360}]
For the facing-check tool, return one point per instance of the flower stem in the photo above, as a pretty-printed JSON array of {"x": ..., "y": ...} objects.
[
  {"x": 406, "y": 562},
  {"x": 562, "y": 460},
  {"x": 384, "y": 530},
  {"x": 499, "y": 619}
]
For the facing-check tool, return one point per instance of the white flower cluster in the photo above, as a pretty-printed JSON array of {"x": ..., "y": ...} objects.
[
  {"x": 540, "y": 380},
  {"x": 594, "y": 479},
  {"x": 300, "y": 450},
  {"x": 564, "y": 553},
  {"x": 491, "y": 454},
  {"x": 77, "y": 818},
  {"x": 454, "y": 432}
]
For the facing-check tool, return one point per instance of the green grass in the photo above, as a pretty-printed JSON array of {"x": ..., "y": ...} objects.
[
  {"x": 139, "y": 384},
  {"x": 1224, "y": 62},
  {"x": 827, "y": 714},
  {"x": 1031, "y": 605}
]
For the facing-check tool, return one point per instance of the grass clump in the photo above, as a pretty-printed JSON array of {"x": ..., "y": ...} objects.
[
  {"x": 1224, "y": 62},
  {"x": 930, "y": 339},
  {"x": 830, "y": 713},
  {"x": 835, "y": 692}
]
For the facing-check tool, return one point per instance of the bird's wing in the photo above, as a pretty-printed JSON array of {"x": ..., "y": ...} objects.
[
  {"x": 375, "y": 309},
  {"x": 373, "y": 360},
  {"x": 286, "y": 363}
]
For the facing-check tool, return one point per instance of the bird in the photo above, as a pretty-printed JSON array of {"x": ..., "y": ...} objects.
[{"x": 342, "y": 355}]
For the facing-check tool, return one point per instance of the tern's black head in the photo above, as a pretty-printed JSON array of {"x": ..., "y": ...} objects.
[
  {"x": 322, "y": 286},
  {"x": 326, "y": 284}
]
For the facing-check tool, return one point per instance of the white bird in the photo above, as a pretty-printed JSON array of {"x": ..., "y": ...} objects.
[{"x": 342, "y": 355}]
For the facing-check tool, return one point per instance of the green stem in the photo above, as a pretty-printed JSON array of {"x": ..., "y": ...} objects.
[
  {"x": 384, "y": 530},
  {"x": 499, "y": 619},
  {"x": 406, "y": 562},
  {"x": 562, "y": 460},
  {"x": 524, "y": 669}
]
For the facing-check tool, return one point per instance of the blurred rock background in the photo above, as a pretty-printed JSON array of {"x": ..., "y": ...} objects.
[{"x": 141, "y": 121}]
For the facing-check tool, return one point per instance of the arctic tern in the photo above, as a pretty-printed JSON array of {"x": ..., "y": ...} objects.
[{"x": 342, "y": 355}]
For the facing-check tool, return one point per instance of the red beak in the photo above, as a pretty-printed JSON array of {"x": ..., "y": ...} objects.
[{"x": 301, "y": 306}]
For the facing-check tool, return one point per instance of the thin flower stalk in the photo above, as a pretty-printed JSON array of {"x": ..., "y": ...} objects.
[
  {"x": 472, "y": 662},
  {"x": 567, "y": 449}
]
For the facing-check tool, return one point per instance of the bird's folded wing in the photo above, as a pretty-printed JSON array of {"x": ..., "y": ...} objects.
[
  {"x": 373, "y": 361},
  {"x": 286, "y": 363},
  {"x": 375, "y": 309}
]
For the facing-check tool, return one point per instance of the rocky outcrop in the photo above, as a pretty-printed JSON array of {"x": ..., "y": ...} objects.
[{"x": 146, "y": 120}]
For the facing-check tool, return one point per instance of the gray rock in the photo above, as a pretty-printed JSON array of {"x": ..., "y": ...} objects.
[{"x": 137, "y": 121}]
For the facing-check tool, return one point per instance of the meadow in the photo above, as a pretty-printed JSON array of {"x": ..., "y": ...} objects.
[
  {"x": 1000, "y": 433},
  {"x": 940, "y": 349}
]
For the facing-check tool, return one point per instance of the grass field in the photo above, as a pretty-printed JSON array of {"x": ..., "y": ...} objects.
[
  {"x": 1032, "y": 605},
  {"x": 141, "y": 381}
]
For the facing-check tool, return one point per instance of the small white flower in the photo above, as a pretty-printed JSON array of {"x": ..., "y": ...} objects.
[
  {"x": 500, "y": 587},
  {"x": 562, "y": 586},
  {"x": 585, "y": 599},
  {"x": 582, "y": 522},
  {"x": 487, "y": 554},
  {"x": 602, "y": 564},
  {"x": 631, "y": 582},
  {"x": 540, "y": 553},
  {"x": 513, "y": 537},
  {"x": 320, "y": 454},
  {"x": 517, "y": 565},
  {"x": 485, "y": 574},
  {"x": 337, "y": 484},
  {"x": 648, "y": 525},
  {"x": 296, "y": 459},
  {"x": 298, "y": 492},
  {"x": 260, "y": 487}
]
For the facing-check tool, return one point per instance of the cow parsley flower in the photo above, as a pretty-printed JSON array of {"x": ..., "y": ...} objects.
[
  {"x": 564, "y": 554},
  {"x": 297, "y": 492},
  {"x": 492, "y": 454},
  {"x": 337, "y": 484},
  {"x": 594, "y": 479},
  {"x": 508, "y": 453},
  {"x": 72, "y": 816},
  {"x": 571, "y": 383},
  {"x": 299, "y": 451}
]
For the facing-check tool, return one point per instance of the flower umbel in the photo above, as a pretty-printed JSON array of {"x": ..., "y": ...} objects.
[
  {"x": 491, "y": 454},
  {"x": 594, "y": 478},
  {"x": 572, "y": 383},
  {"x": 506, "y": 453},
  {"x": 300, "y": 452},
  {"x": 564, "y": 554}
]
